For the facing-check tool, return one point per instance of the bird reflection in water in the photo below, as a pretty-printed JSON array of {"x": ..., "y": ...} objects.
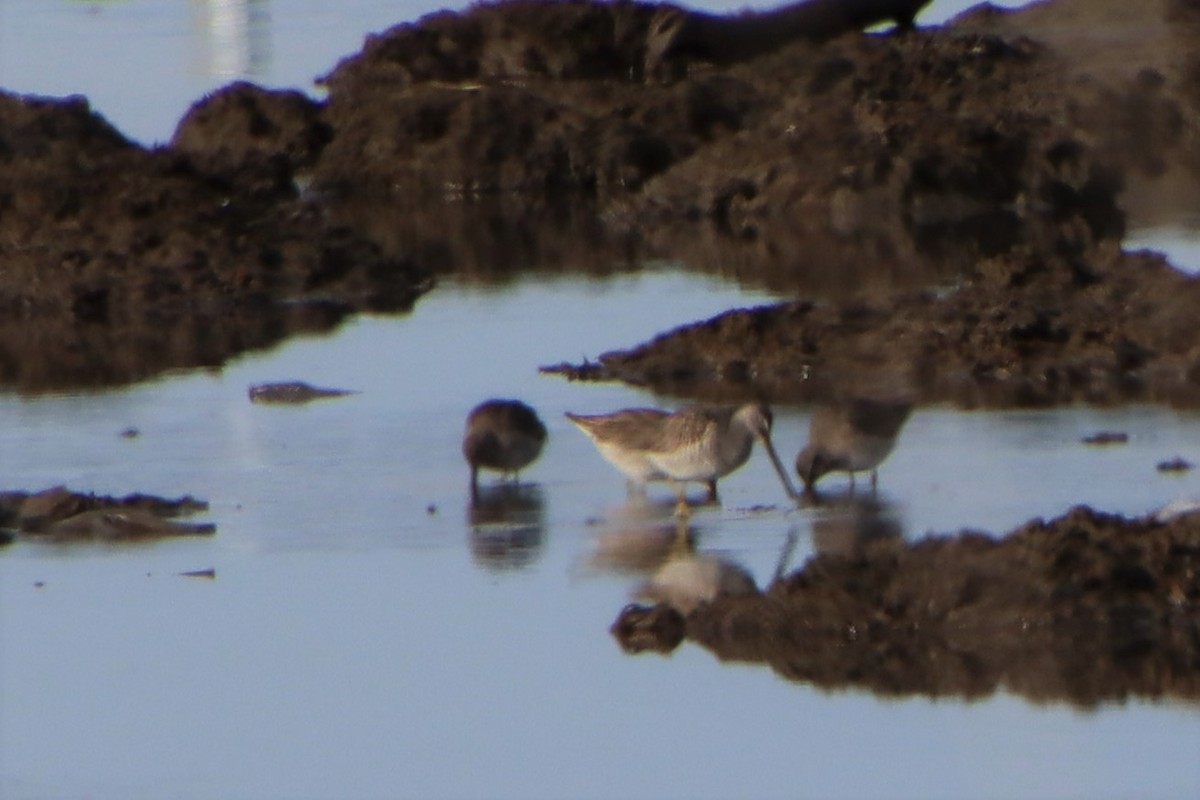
[
  {"x": 677, "y": 579},
  {"x": 683, "y": 582},
  {"x": 506, "y": 526},
  {"x": 847, "y": 523},
  {"x": 638, "y": 536},
  {"x": 644, "y": 539},
  {"x": 681, "y": 579},
  {"x": 690, "y": 578}
]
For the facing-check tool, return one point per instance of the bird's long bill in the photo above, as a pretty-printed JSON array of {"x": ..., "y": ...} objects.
[{"x": 783, "y": 476}]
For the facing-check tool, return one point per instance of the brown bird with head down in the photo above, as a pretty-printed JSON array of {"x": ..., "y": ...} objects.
[
  {"x": 501, "y": 435},
  {"x": 851, "y": 436}
]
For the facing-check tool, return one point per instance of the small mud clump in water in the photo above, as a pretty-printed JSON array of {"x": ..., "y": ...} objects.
[
  {"x": 1103, "y": 438},
  {"x": 60, "y": 515},
  {"x": 293, "y": 393},
  {"x": 1176, "y": 464}
]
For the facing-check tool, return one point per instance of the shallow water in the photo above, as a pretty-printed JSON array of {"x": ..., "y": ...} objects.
[
  {"x": 1181, "y": 244},
  {"x": 363, "y": 636}
]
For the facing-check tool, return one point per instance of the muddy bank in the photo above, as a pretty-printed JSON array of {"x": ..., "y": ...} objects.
[
  {"x": 1023, "y": 330},
  {"x": 993, "y": 159},
  {"x": 813, "y": 166},
  {"x": 1086, "y": 609},
  {"x": 794, "y": 152},
  {"x": 120, "y": 262}
]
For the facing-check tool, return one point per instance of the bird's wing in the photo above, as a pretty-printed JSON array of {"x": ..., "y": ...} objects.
[
  {"x": 631, "y": 428},
  {"x": 878, "y": 417},
  {"x": 691, "y": 424}
]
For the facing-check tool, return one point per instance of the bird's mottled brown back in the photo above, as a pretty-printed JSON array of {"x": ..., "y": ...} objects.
[
  {"x": 503, "y": 434},
  {"x": 883, "y": 418},
  {"x": 692, "y": 424},
  {"x": 632, "y": 428}
]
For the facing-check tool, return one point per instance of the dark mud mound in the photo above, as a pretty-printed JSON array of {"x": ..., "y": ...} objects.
[
  {"x": 1024, "y": 331},
  {"x": 522, "y": 39},
  {"x": 873, "y": 162},
  {"x": 236, "y": 129},
  {"x": 805, "y": 165},
  {"x": 121, "y": 262},
  {"x": 787, "y": 148},
  {"x": 1085, "y": 609},
  {"x": 990, "y": 157}
]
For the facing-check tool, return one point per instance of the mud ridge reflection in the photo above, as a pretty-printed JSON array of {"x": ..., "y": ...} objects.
[{"x": 1086, "y": 609}]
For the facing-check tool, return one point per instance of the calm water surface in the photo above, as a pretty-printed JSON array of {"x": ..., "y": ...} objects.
[{"x": 365, "y": 637}]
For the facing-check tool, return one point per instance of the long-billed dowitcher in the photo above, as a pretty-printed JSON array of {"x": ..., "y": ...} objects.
[
  {"x": 501, "y": 435},
  {"x": 620, "y": 437},
  {"x": 851, "y": 436},
  {"x": 696, "y": 443}
]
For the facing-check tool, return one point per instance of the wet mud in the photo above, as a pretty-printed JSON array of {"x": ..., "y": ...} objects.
[
  {"x": 998, "y": 156},
  {"x": 1024, "y": 331},
  {"x": 1086, "y": 609},
  {"x": 120, "y": 262},
  {"x": 293, "y": 393},
  {"x": 60, "y": 515}
]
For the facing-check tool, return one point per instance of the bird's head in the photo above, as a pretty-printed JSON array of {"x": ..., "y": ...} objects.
[
  {"x": 811, "y": 464},
  {"x": 756, "y": 418}
]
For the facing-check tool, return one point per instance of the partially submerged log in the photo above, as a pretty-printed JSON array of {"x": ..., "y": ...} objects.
[
  {"x": 678, "y": 35},
  {"x": 60, "y": 514}
]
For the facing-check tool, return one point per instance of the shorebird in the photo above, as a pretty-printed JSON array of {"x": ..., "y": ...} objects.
[
  {"x": 501, "y": 435},
  {"x": 851, "y": 436},
  {"x": 696, "y": 443},
  {"x": 620, "y": 437}
]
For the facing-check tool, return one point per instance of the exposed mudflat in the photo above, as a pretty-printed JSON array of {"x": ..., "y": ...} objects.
[
  {"x": 1025, "y": 330},
  {"x": 992, "y": 155}
]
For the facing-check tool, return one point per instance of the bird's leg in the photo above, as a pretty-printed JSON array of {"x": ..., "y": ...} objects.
[
  {"x": 681, "y": 546},
  {"x": 712, "y": 492},
  {"x": 682, "y": 509},
  {"x": 851, "y": 481},
  {"x": 874, "y": 480}
]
